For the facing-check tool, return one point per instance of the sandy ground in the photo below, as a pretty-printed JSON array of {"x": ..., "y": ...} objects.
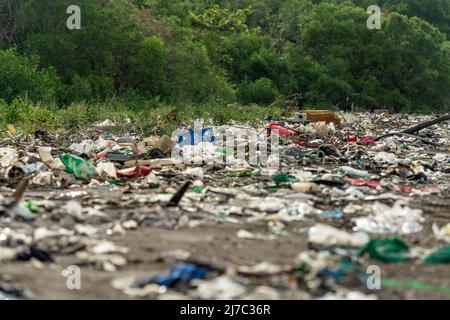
[{"x": 212, "y": 241}]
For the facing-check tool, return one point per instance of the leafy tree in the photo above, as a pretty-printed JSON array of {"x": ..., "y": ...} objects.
[
  {"x": 261, "y": 91},
  {"x": 21, "y": 77},
  {"x": 148, "y": 65}
]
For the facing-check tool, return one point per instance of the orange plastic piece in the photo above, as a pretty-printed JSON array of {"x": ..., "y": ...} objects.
[{"x": 322, "y": 116}]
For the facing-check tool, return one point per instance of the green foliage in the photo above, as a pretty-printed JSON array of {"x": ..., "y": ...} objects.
[
  {"x": 436, "y": 12},
  {"x": 217, "y": 18},
  {"x": 253, "y": 56},
  {"x": 147, "y": 65},
  {"x": 20, "y": 77},
  {"x": 262, "y": 91},
  {"x": 14, "y": 112},
  {"x": 147, "y": 54}
]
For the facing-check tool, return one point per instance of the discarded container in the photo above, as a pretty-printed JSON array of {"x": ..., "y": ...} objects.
[
  {"x": 133, "y": 172},
  {"x": 355, "y": 173},
  {"x": 118, "y": 157}
]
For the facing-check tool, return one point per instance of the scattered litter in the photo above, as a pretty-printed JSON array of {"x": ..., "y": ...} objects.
[
  {"x": 396, "y": 219},
  {"x": 220, "y": 288},
  {"x": 329, "y": 236},
  {"x": 337, "y": 189}
]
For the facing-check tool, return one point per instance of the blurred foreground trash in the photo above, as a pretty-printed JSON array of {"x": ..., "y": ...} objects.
[{"x": 292, "y": 208}]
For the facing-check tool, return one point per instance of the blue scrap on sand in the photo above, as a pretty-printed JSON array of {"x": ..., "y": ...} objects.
[
  {"x": 180, "y": 273},
  {"x": 332, "y": 214}
]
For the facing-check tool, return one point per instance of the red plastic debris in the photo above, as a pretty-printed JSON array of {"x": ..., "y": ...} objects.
[
  {"x": 403, "y": 189},
  {"x": 352, "y": 139},
  {"x": 301, "y": 143},
  {"x": 364, "y": 183},
  {"x": 282, "y": 130},
  {"x": 134, "y": 171},
  {"x": 368, "y": 141}
]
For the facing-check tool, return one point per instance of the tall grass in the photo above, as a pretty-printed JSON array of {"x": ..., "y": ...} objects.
[{"x": 150, "y": 118}]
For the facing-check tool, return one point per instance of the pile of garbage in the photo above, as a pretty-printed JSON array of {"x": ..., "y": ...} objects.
[{"x": 345, "y": 194}]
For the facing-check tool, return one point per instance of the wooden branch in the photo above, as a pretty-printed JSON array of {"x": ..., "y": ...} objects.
[
  {"x": 426, "y": 124},
  {"x": 414, "y": 129},
  {"x": 424, "y": 140}
]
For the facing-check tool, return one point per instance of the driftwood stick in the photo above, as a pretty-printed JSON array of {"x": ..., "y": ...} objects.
[
  {"x": 416, "y": 128},
  {"x": 426, "y": 124},
  {"x": 178, "y": 195},
  {"x": 424, "y": 140}
]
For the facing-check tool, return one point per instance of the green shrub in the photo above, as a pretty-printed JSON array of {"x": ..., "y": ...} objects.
[
  {"x": 21, "y": 77},
  {"x": 262, "y": 91},
  {"x": 15, "y": 112},
  {"x": 147, "y": 67}
]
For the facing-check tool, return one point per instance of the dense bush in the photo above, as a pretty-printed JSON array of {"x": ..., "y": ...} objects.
[
  {"x": 153, "y": 52},
  {"x": 21, "y": 77},
  {"x": 261, "y": 91}
]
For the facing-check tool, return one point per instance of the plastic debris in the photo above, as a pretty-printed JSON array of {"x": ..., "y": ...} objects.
[
  {"x": 392, "y": 249},
  {"x": 106, "y": 170},
  {"x": 76, "y": 165},
  {"x": 133, "y": 172},
  {"x": 125, "y": 202},
  {"x": 220, "y": 288},
  {"x": 397, "y": 219},
  {"x": 355, "y": 173},
  {"x": 304, "y": 187},
  {"x": 329, "y": 236},
  {"x": 440, "y": 255},
  {"x": 8, "y": 157},
  {"x": 181, "y": 273}
]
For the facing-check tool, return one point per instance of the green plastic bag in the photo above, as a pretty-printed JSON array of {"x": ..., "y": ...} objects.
[
  {"x": 32, "y": 206},
  {"x": 79, "y": 167},
  {"x": 283, "y": 177},
  {"x": 391, "y": 249},
  {"x": 441, "y": 255}
]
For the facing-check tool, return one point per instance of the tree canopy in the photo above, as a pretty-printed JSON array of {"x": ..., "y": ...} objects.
[{"x": 247, "y": 51}]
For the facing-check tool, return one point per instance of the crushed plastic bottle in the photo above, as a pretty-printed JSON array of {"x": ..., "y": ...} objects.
[{"x": 355, "y": 173}]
